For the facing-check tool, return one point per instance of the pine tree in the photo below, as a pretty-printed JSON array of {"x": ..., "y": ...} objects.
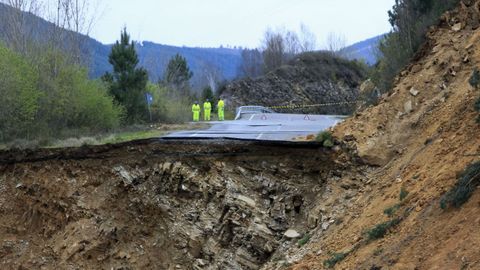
[
  {"x": 127, "y": 83},
  {"x": 207, "y": 94},
  {"x": 410, "y": 20},
  {"x": 178, "y": 74}
]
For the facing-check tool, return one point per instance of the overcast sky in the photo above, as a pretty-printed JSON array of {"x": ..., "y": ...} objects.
[{"x": 211, "y": 23}]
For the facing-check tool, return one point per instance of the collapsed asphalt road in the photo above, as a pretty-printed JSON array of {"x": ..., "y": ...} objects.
[{"x": 268, "y": 127}]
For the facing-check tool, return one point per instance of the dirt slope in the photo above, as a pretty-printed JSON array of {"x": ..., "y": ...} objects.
[{"x": 419, "y": 142}]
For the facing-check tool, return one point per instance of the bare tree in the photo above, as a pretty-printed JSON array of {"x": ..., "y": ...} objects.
[
  {"x": 280, "y": 45},
  {"x": 308, "y": 40},
  {"x": 336, "y": 43},
  {"x": 273, "y": 46},
  {"x": 76, "y": 16},
  {"x": 252, "y": 63},
  {"x": 212, "y": 75},
  {"x": 292, "y": 44},
  {"x": 18, "y": 33}
]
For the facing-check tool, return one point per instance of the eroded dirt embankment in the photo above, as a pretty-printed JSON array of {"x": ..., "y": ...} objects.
[
  {"x": 159, "y": 204},
  {"x": 421, "y": 135}
]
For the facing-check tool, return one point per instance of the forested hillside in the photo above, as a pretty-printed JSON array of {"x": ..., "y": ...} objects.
[
  {"x": 366, "y": 50},
  {"x": 308, "y": 78},
  {"x": 219, "y": 62}
]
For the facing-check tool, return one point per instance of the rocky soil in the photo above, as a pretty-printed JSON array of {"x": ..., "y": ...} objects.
[
  {"x": 162, "y": 204},
  {"x": 311, "y": 78},
  {"x": 416, "y": 141}
]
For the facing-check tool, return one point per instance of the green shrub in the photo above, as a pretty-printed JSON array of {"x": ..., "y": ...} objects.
[
  {"x": 19, "y": 97},
  {"x": 467, "y": 182},
  {"x": 167, "y": 108},
  {"x": 334, "y": 259},
  {"x": 328, "y": 143},
  {"x": 403, "y": 194},
  {"x": 326, "y": 138},
  {"x": 71, "y": 101},
  {"x": 304, "y": 240},
  {"x": 47, "y": 96},
  {"x": 475, "y": 78},
  {"x": 390, "y": 212},
  {"x": 323, "y": 136},
  {"x": 381, "y": 229}
]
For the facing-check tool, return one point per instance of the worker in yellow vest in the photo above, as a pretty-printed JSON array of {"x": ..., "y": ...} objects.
[
  {"x": 221, "y": 109},
  {"x": 196, "y": 111},
  {"x": 207, "y": 109}
]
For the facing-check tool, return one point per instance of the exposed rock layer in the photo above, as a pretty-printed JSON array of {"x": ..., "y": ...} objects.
[{"x": 158, "y": 205}]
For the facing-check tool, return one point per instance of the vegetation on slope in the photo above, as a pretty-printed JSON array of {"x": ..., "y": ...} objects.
[
  {"x": 410, "y": 20},
  {"x": 47, "y": 96},
  {"x": 467, "y": 182},
  {"x": 308, "y": 78}
]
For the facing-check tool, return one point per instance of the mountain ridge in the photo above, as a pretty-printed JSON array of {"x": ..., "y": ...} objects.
[
  {"x": 364, "y": 50},
  {"x": 221, "y": 63}
]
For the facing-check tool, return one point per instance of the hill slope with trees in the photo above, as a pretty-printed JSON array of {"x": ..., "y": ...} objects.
[
  {"x": 366, "y": 50},
  {"x": 308, "y": 78},
  {"x": 220, "y": 62},
  {"x": 412, "y": 202}
]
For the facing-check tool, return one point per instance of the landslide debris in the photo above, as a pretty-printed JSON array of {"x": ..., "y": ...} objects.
[
  {"x": 310, "y": 78},
  {"x": 417, "y": 142}
]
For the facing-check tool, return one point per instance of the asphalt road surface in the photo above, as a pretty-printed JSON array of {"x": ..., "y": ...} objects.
[{"x": 268, "y": 127}]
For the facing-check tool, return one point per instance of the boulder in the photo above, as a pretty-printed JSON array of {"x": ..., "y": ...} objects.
[
  {"x": 246, "y": 200},
  {"x": 457, "y": 27},
  {"x": 408, "y": 107},
  {"x": 126, "y": 177},
  {"x": 414, "y": 92},
  {"x": 367, "y": 87},
  {"x": 292, "y": 234},
  {"x": 312, "y": 221},
  {"x": 325, "y": 225}
]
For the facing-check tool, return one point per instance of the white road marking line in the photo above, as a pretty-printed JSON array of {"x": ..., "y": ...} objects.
[
  {"x": 194, "y": 135},
  {"x": 259, "y": 136}
]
